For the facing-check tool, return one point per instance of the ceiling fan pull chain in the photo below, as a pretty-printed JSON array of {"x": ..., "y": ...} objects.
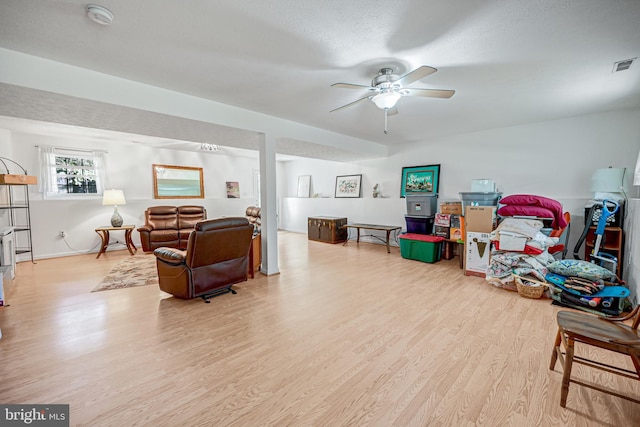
[{"x": 385, "y": 120}]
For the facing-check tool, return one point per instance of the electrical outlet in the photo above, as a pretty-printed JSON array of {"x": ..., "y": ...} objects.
[{"x": 62, "y": 234}]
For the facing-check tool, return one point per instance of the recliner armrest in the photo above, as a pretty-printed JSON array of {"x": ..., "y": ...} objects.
[
  {"x": 170, "y": 255},
  {"x": 147, "y": 228}
]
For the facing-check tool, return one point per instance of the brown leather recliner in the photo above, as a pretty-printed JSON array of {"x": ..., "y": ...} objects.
[
  {"x": 169, "y": 226},
  {"x": 216, "y": 258}
]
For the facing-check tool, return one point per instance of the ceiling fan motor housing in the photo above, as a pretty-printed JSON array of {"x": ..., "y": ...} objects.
[{"x": 384, "y": 79}]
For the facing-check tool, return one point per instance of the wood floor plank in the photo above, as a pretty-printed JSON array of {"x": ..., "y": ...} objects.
[{"x": 343, "y": 336}]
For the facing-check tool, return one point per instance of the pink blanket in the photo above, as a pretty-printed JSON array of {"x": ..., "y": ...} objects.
[{"x": 532, "y": 205}]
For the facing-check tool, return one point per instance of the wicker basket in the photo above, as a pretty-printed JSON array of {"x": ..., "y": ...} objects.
[{"x": 533, "y": 290}]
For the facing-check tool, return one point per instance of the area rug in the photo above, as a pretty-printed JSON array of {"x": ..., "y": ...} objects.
[{"x": 139, "y": 270}]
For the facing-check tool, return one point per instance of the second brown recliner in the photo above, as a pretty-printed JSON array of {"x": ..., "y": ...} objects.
[
  {"x": 216, "y": 258},
  {"x": 169, "y": 226}
]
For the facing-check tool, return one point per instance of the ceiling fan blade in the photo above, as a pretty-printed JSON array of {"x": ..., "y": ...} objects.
[
  {"x": 350, "y": 104},
  {"x": 415, "y": 75},
  {"x": 352, "y": 86},
  {"x": 429, "y": 93}
]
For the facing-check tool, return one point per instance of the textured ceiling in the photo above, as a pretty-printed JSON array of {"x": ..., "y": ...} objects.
[{"x": 510, "y": 62}]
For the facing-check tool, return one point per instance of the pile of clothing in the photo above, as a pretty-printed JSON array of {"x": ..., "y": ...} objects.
[
  {"x": 586, "y": 286},
  {"x": 524, "y": 252}
]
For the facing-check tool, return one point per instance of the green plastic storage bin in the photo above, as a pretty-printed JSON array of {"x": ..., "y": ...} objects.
[{"x": 421, "y": 247}]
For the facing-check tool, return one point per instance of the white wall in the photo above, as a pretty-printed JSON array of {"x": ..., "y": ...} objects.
[
  {"x": 129, "y": 168},
  {"x": 553, "y": 159},
  {"x": 5, "y": 144}
]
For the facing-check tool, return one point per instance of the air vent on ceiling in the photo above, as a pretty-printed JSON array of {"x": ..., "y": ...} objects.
[{"x": 623, "y": 65}]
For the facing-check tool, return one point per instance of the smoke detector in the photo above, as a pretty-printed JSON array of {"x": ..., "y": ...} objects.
[{"x": 99, "y": 14}]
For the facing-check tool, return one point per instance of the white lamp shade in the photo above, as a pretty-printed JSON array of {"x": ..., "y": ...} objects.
[
  {"x": 386, "y": 100},
  {"x": 609, "y": 180},
  {"x": 113, "y": 198}
]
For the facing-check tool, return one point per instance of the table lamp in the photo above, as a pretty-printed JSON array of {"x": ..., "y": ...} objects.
[
  {"x": 114, "y": 198},
  {"x": 608, "y": 183}
]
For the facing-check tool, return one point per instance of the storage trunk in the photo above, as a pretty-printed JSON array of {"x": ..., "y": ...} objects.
[{"x": 327, "y": 229}]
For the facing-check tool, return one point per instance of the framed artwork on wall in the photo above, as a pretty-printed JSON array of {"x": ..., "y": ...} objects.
[
  {"x": 417, "y": 180},
  {"x": 304, "y": 186},
  {"x": 177, "y": 182},
  {"x": 233, "y": 190},
  {"x": 348, "y": 186}
]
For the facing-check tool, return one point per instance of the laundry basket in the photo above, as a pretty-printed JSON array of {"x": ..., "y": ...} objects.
[{"x": 529, "y": 288}]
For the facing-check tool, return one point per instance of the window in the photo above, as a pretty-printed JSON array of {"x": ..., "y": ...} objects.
[
  {"x": 66, "y": 172},
  {"x": 75, "y": 175}
]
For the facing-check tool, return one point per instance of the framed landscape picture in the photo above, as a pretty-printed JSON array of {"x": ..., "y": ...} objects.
[
  {"x": 348, "y": 186},
  {"x": 177, "y": 182},
  {"x": 418, "y": 180}
]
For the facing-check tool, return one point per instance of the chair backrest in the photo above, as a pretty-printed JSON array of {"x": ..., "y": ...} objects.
[
  {"x": 162, "y": 217},
  {"x": 218, "y": 240},
  {"x": 560, "y": 231},
  {"x": 218, "y": 254},
  {"x": 254, "y": 215},
  {"x": 189, "y": 216}
]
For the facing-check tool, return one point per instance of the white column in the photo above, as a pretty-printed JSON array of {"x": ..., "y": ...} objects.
[{"x": 268, "y": 203}]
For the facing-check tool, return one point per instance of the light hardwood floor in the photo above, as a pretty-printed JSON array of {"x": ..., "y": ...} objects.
[{"x": 345, "y": 335}]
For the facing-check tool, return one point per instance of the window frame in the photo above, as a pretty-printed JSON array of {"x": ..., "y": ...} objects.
[{"x": 81, "y": 156}]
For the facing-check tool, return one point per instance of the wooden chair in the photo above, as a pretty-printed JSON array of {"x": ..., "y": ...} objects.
[{"x": 606, "y": 333}]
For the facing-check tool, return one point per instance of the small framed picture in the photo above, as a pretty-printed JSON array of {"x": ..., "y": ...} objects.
[
  {"x": 348, "y": 186},
  {"x": 233, "y": 190},
  {"x": 304, "y": 186}
]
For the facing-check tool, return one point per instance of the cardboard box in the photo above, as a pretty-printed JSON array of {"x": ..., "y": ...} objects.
[
  {"x": 477, "y": 254},
  {"x": 455, "y": 233},
  {"x": 441, "y": 231},
  {"x": 453, "y": 208},
  {"x": 442, "y": 220},
  {"x": 480, "y": 219},
  {"x": 8, "y": 178},
  {"x": 512, "y": 242}
]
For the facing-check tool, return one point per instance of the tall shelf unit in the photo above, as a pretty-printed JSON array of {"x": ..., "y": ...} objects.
[
  {"x": 14, "y": 206},
  {"x": 612, "y": 244}
]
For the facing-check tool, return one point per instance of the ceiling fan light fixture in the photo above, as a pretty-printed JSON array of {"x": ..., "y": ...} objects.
[{"x": 386, "y": 100}]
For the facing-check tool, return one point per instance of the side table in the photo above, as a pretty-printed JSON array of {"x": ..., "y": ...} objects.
[
  {"x": 255, "y": 255},
  {"x": 103, "y": 232}
]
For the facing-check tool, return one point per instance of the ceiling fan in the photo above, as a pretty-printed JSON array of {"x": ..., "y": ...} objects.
[{"x": 387, "y": 88}]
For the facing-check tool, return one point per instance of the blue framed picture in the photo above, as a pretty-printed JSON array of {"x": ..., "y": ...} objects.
[{"x": 418, "y": 180}]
